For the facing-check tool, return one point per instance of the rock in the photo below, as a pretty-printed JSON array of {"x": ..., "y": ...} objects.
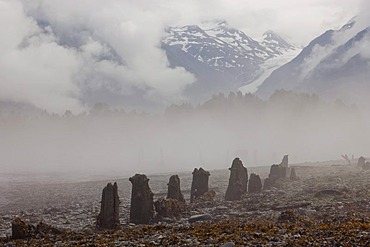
[
  {"x": 206, "y": 197},
  {"x": 199, "y": 185},
  {"x": 221, "y": 209},
  {"x": 255, "y": 184},
  {"x": 292, "y": 206},
  {"x": 169, "y": 208},
  {"x": 293, "y": 175},
  {"x": 199, "y": 217},
  {"x": 47, "y": 230},
  {"x": 20, "y": 229},
  {"x": 287, "y": 216},
  {"x": 168, "y": 220},
  {"x": 108, "y": 217},
  {"x": 229, "y": 244},
  {"x": 328, "y": 192},
  {"x": 361, "y": 162},
  {"x": 141, "y": 210},
  {"x": 238, "y": 181},
  {"x": 366, "y": 166},
  {"x": 284, "y": 162},
  {"x": 174, "y": 191}
]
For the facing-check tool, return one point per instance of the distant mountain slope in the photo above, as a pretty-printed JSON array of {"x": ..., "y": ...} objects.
[
  {"x": 222, "y": 58},
  {"x": 336, "y": 65},
  {"x": 286, "y": 76},
  {"x": 276, "y": 43},
  {"x": 267, "y": 68}
]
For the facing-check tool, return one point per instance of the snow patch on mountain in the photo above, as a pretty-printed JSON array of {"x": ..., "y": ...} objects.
[
  {"x": 223, "y": 58},
  {"x": 334, "y": 65},
  {"x": 267, "y": 68},
  {"x": 276, "y": 43}
]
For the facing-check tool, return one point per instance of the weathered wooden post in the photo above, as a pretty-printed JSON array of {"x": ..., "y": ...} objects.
[
  {"x": 141, "y": 211},
  {"x": 238, "y": 181},
  {"x": 108, "y": 217}
]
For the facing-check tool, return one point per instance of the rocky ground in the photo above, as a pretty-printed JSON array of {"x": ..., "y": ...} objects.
[{"x": 328, "y": 206}]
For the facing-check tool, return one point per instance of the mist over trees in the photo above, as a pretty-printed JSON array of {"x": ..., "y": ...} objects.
[{"x": 184, "y": 136}]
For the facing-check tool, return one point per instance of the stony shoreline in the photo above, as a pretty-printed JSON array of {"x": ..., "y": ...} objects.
[{"x": 328, "y": 205}]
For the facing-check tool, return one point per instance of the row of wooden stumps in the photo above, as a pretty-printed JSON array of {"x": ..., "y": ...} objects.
[{"x": 142, "y": 204}]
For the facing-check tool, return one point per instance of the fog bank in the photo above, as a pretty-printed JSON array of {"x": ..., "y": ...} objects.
[{"x": 260, "y": 132}]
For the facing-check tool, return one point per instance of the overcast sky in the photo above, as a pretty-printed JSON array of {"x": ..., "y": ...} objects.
[
  {"x": 53, "y": 53},
  {"x": 300, "y": 20}
]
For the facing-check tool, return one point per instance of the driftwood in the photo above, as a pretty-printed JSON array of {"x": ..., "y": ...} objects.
[
  {"x": 292, "y": 206},
  {"x": 345, "y": 156}
]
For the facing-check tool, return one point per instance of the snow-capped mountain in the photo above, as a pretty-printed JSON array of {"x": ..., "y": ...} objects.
[
  {"x": 222, "y": 58},
  {"x": 276, "y": 43},
  {"x": 336, "y": 65}
]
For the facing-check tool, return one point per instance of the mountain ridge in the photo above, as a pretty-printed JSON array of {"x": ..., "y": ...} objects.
[
  {"x": 222, "y": 58},
  {"x": 333, "y": 65}
]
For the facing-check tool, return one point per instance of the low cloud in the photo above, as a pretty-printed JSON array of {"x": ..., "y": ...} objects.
[
  {"x": 34, "y": 68},
  {"x": 56, "y": 51},
  {"x": 68, "y": 54}
]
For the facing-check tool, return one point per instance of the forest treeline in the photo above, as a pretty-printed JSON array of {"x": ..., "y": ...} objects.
[{"x": 292, "y": 103}]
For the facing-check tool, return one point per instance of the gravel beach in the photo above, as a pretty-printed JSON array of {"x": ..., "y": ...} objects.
[{"x": 329, "y": 205}]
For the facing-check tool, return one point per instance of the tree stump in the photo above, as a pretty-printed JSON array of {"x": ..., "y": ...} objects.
[
  {"x": 366, "y": 166},
  {"x": 141, "y": 211},
  {"x": 199, "y": 185},
  {"x": 284, "y": 162},
  {"x": 238, "y": 181},
  {"x": 108, "y": 217},
  {"x": 293, "y": 175},
  {"x": 361, "y": 162},
  {"x": 20, "y": 229},
  {"x": 255, "y": 184},
  {"x": 267, "y": 184},
  {"x": 174, "y": 191}
]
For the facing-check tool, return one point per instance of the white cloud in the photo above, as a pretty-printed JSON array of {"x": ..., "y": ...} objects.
[
  {"x": 54, "y": 51},
  {"x": 131, "y": 28},
  {"x": 360, "y": 47},
  {"x": 33, "y": 68},
  {"x": 49, "y": 66}
]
